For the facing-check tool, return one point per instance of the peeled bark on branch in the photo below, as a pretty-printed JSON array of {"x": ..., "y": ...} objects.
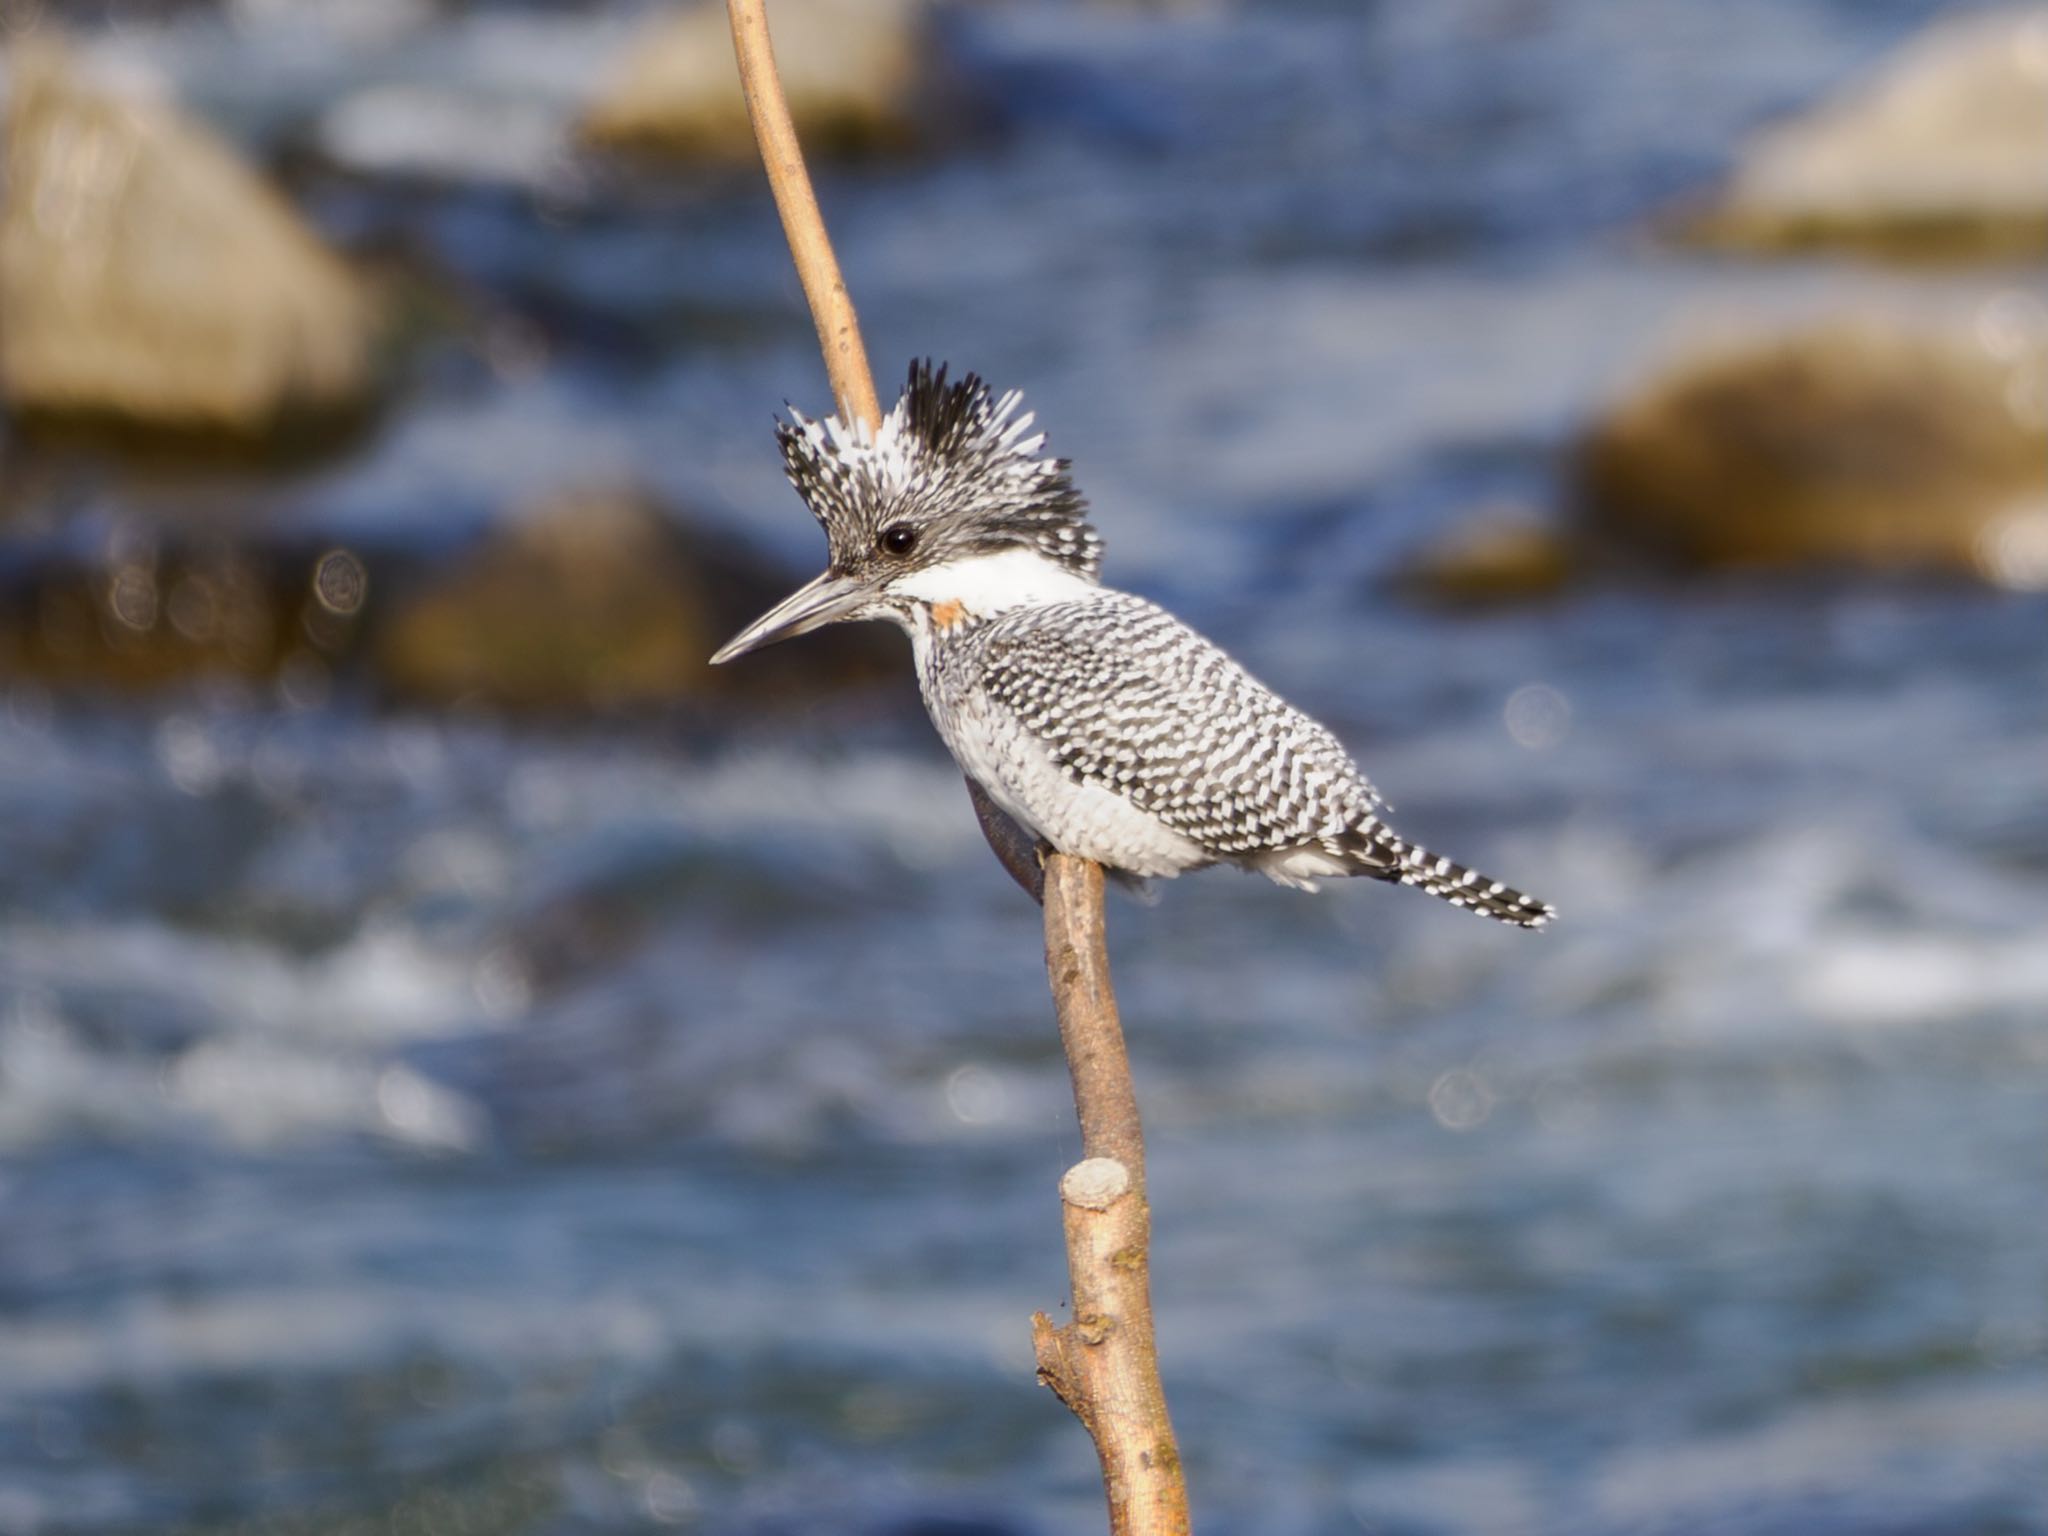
[{"x": 1103, "y": 1364}]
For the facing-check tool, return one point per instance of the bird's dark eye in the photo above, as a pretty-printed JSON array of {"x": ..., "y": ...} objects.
[{"x": 898, "y": 539}]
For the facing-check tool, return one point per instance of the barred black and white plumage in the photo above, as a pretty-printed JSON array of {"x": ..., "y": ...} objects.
[{"x": 1098, "y": 721}]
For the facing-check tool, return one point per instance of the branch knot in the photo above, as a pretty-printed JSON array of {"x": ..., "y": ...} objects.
[{"x": 1095, "y": 1183}]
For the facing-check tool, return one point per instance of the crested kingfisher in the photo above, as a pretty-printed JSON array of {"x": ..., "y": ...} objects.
[{"x": 1100, "y": 723}]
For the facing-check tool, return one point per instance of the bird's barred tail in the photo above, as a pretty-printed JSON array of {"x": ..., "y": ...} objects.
[{"x": 1383, "y": 855}]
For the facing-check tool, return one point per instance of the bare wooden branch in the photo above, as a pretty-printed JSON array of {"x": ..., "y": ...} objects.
[
  {"x": 846, "y": 357},
  {"x": 1103, "y": 1365}
]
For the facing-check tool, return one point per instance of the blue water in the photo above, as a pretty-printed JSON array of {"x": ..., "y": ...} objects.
[{"x": 425, "y": 1123}]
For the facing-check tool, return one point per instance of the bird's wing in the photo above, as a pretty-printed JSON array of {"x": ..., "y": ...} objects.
[{"x": 1126, "y": 696}]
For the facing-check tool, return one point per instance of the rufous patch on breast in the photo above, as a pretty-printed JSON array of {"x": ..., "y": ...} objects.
[{"x": 948, "y": 613}]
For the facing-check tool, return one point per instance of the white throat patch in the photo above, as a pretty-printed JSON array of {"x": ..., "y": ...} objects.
[{"x": 986, "y": 585}]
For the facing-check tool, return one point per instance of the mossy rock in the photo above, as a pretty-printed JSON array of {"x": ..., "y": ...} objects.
[
  {"x": 1494, "y": 557},
  {"x": 161, "y": 611},
  {"x": 592, "y": 602},
  {"x": 596, "y": 600},
  {"x": 1862, "y": 443}
]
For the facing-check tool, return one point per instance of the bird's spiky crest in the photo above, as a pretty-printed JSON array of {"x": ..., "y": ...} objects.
[{"x": 961, "y": 462}]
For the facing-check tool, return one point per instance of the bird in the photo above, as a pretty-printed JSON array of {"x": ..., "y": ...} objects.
[{"x": 1096, "y": 720}]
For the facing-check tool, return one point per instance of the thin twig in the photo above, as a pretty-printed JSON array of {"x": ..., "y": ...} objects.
[
  {"x": 1103, "y": 1365},
  {"x": 846, "y": 359}
]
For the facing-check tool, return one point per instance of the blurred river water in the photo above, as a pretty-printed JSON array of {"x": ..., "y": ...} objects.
[{"x": 431, "y": 1123}]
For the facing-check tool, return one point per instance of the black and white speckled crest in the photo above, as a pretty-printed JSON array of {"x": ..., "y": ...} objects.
[
  {"x": 959, "y": 466},
  {"x": 1093, "y": 719}
]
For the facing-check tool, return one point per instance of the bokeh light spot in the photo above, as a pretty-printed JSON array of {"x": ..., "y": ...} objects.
[
  {"x": 340, "y": 584},
  {"x": 1460, "y": 1099},
  {"x": 1537, "y": 716}
]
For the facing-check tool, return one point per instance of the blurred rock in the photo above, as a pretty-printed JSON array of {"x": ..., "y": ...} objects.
[
  {"x": 1945, "y": 152},
  {"x": 1869, "y": 443},
  {"x": 148, "y": 278},
  {"x": 851, "y": 69},
  {"x": 149, "y": 612},
  {"x": 596, "y": 600},
  {"x": 583, "y": 601},
  {"x": 1497, "y": 555}
]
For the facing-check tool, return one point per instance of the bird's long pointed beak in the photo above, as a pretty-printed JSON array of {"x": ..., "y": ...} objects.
[{"x": 818, "y": 602}]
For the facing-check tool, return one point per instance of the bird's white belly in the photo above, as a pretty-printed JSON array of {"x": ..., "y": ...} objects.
[{"x": 1084, "y": 819}]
